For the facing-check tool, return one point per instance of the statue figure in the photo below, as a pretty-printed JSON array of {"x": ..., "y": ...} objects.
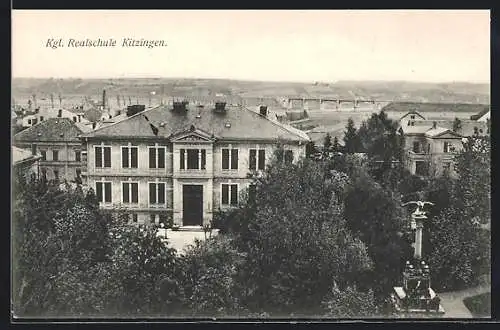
[{"x": 420, "y": 205}]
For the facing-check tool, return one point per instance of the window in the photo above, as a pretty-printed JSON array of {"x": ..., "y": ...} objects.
[
  {"x": 129, "y": 157},
  {"x": 103, "y": 191},
  {"x": 252, "y": 193},
  {"x": 78, "y": 156},
  {"x": 29, "y": 121},
  {"x": 229, "y": 159},
  {"x": 157, "y": 157},
  {"x": 288, "y": 156},
  {"x": 34, "y": 121},
  {"x": 192, "y": 159},
  {"x": 74, "y": 119},
  {"x": 133, "y": 217},
  {"x": 157, "y": 193},
  {"x": 152, "y": 218},
  {"x": 33, "y": 149},
  {"x": 41, "y": 118},
  {"x": 55, "y": 155},
  {"x": 56, "y": 175},
  {"x": 78, "y": 172},
  {"x": 412, "y": 116},
  {"x": 448, "y": 147},
  {"x": 446, "y": 167},
  {"x": 257, "y": 159},
  {"x": 416, "y": 147},
  {"x": 421, "y": 168},
  {"x": 130, "y": 192},
  {"x": 102, "y": 157},
  {"x": 229, "y": 194},
  {"x": 44, "y": 154}
]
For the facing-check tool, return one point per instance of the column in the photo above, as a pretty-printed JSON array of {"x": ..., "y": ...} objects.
[{"x": 418, "y": 239}]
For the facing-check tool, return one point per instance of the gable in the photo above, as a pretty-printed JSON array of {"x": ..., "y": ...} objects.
[
  {"x": 447, "y": 135},
  {"x": 191, "y": 135}
]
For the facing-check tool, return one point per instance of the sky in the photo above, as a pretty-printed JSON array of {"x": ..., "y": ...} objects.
[{"x": 271, "y": 45}]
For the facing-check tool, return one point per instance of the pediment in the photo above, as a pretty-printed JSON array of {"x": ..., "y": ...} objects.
[
  {"x": 448, "y": 135},
  {"x": 192, "y": 135}
]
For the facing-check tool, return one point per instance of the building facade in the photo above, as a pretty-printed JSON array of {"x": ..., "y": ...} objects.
[
  {"x": 183, "y": 162},
  {"x": 25, "y": 163},
  {"x": 430, "y": 151},
  {"x": 56, "y": 141}
]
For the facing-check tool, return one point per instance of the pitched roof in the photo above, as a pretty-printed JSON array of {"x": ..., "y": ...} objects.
[
  {"x": 238, "y": 123},
  {"x": 436, "y": 131},
  {"x": 467, "y": 127},
  {"x": 51, "y": 130},
  {"x": 415, "y": 129},
  {"x": 412, "y": 112}
]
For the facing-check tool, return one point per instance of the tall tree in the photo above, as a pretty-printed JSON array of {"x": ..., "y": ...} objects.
[
  {"x": 351, "y": 139},
  {"x": 327, "y": 142},
  {"x": 457, "y": 125}
]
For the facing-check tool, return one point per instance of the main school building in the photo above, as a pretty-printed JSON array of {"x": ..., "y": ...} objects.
[{"x": 183, "y": 161}]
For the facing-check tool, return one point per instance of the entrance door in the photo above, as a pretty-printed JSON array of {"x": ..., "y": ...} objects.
[{"x": 192, "y": 205}]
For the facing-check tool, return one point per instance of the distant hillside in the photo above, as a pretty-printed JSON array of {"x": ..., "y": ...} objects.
[
  {"x": 434, "y": 107},
  {"x": 377, "y": 90}
]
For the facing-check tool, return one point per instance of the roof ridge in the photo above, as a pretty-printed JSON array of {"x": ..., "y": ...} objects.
[
  {"x": 124, "y": 119},
  {"x": 306, "y": 137}
]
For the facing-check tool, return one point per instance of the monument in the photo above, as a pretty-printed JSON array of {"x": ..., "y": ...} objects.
[{"x": 415, "y": 296}]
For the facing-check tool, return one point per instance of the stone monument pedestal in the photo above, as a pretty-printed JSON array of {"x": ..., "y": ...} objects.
[{"x": 416, "y": 297}]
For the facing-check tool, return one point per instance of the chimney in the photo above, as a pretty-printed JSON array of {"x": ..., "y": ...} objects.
[
  {"x": 59, "y": 113},
  {"x": 220, "y": 107},
  {"x": 263, "y": 110},
  {"x": 434, "y": 124},
  {"x": 180, "y": 106},
  {"x": 103, "y": 98},
  {"x": 135, "y": 108}
]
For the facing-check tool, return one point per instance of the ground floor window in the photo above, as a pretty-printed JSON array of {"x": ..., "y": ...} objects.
[
  {"x": 229, "y": 194},
  {"x": 421, "y": 168}
]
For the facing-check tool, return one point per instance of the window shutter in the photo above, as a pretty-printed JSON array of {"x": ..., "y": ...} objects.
[
  {"x": 234, "y": 159},
  {"x": 253, "y": 159},
  {"x": 234, "y": 194},
  {"x": 98, "y": 157},
  {"x": 135, "y": 193},
  {"x": 98, "y": 191},
  {"x": 107, "y": 192},
  {"x": 262, "y": 159},
  {"x": 125, "y": 158},
  {"x": 152, "y": 157},
  {"x": 161, "y": 157},
  {"x": 225, "y": 194},
  {"x": 126, "y": 195},
  {"x": 225, "y": 159},
  {"x": 133, "y": 156},
  {"x": 107, "y": 157},
  {"x": 161, "y": 193},
  {"x": 152, "y": 193}
]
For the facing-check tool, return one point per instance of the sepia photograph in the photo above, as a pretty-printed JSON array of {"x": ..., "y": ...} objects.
[{"x": 250, "y": 164}]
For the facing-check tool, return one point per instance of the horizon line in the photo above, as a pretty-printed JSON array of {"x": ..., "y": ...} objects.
[{"x": 263, "y": 80}]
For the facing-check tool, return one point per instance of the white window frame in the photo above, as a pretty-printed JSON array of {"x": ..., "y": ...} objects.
[
  {"x": 230, "y": 154},
  {"x": 103, "y": 202},
  {"x": 149, "y": 195},
  {"x": 257, "y": 158},
  {"x": 130, "y": 193},
  {"x": 229, "y": 197},
  {"x": 102, "y": 155},
  {"x": 129, "y": 146},
  {"x": 156, "y": 147},
  {"x": 199, "y": 159}
]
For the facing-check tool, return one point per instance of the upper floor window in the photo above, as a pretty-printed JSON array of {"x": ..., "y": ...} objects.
[
  {"x": 44, "y": 154},
  {"x": 78, "y": 156},
  {"x": 412, "y": 116},
  {"x": 157, "y": 193},
  {"x": 229, "y": 194},
  {"x": 416, "y": 147},
  {"x": 257, "y": 159},
  {"x": 129, "y": 157},
  {"x": 102, "y": 156},
  {"x": 103, "y": 191},
  {"x": 156, "y": 157},
  {"x": 229, "y": 159},
  {"x": 448, "y": 147},
  {"x": 55, "y": 155},
  {"x": 192, "y": 159},
  {"x": 130, "y": 192}
]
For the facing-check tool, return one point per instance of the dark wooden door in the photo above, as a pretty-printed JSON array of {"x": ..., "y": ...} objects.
[{"x": 192, "y": 205}]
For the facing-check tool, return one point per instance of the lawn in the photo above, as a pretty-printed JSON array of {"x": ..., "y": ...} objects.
[{"x": 479, "y": 305}]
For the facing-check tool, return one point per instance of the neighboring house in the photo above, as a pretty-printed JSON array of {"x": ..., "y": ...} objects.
[
  {"x": 430, "y": 150},
  {"x": 56, "y": 140},
  {"x": 410, "y": 118},
  {"x": 482, "y": 116},
  {"x": 465, "y": 128},
  {"x": 183, "y": 162},
  {"x": 29, "y": 120},
  {"x": 24, "y": 162}
]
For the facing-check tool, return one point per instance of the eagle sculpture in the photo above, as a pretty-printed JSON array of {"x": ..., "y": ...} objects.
[{"x": 420, "y": 206}]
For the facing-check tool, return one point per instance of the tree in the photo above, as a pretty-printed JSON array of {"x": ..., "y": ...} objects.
[
  {"x": 327, "y": 142},
  {"x": 336, "y": 146},
  {"x": 350, "y": 303},
  {"x": 351, "y": 139},
  {"x": 285, "y": 238},
  {"x": 457, "y": 125}
]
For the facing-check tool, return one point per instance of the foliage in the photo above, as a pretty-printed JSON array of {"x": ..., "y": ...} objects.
[
  {"x": 457, "y": 125},
  {"x": 336, "y": 146},
  {"x": 327, "y": 142},
  {"x": 209, "y": 279},
  {"x": 351, "y": 138},
  {"x": 350, "y": 303}
]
